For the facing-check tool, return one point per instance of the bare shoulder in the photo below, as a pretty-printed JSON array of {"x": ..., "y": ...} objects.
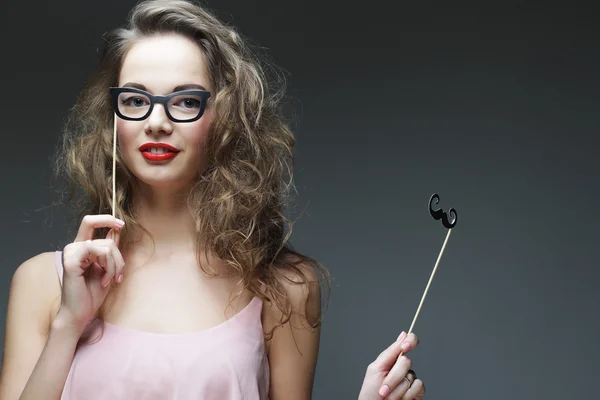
[
  {"x": 36, "y": 279},
  {"x": 294, "y": 318},
  {"x": 301, "y": 297},
  {"x": 38, "y": 272},
  {"x": 34, "y": 289},
  {"x": 40, "y": 265}
]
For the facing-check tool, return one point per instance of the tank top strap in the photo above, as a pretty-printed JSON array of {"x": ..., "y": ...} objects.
[{"x": 58, "y": 265}]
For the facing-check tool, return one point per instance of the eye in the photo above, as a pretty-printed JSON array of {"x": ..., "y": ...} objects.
[
  {"x": 134, "y": 101},
  {"x": 190, "y": 103}
]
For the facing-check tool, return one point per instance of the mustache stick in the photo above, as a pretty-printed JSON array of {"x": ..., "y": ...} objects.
[{"x": 437, "y": 215}]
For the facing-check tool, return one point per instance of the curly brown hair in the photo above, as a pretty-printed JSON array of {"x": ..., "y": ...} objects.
[{"x": 238, "y": 203}]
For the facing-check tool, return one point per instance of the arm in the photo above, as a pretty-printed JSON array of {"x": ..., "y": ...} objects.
[
  {"x": 294, "y": 346},
  {"x": 38, "y": 350}
]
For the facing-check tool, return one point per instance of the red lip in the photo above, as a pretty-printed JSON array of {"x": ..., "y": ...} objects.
[
  {"x": 167, "y": 155},
  {"x": 148, "y": 146}
]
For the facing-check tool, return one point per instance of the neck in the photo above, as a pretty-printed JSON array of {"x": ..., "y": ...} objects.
[{"x": 164, "y": 213}]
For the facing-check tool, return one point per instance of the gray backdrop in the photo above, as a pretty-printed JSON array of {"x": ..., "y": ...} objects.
[{"x": 493, "y": 107}]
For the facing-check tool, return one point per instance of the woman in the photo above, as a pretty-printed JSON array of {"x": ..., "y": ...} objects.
[{"x": 191, "y": 291}]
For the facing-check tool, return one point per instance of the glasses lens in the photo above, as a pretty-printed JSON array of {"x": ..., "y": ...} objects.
[
  {"x": 185, "y": 106},
  {"x": 133, "y": 105}
]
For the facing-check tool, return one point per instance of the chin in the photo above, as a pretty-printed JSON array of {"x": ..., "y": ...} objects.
[
  {"x": 173, "y": 175},
  {"x": 165, "y": 181}
]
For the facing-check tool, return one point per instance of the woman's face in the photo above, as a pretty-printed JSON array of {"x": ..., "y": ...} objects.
[{"x": 160, "y": 66}]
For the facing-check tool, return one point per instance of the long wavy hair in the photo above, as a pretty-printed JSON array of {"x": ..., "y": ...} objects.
[{"x": 239, "y": 201}]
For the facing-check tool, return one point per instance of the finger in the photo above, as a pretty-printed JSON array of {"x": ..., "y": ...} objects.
[
  {"x": 104, "y": 242},
  {"x": 110, "y": 266},
  {"x": 79, "y": 256},
  {"x": 416, "y": 391},
  {"x": 119, "y": 263},
  {"x": 112, "y": 240},
  {"x": 400, "y": 390},
  {"x": 396, "y": 375},
  {"x": 96, "y": 274},
  {"x": 96, "y": 271},
  {"x": 387, "y": 358},
  {"x": 410, "y": 342},
  {"x": 117, "y": 258},
  {"x": 91, "y": 222},
  {"x": 102, "y": 255},
  {"x": 102, "y": 260},
  {"x": 113, "y": 235}
]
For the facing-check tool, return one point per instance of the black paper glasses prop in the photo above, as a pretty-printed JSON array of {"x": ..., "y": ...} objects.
[
  {"x": 136, "y": 105},
  {"x": 133, "y": 104},
  {"x": 437, "y": 215}
]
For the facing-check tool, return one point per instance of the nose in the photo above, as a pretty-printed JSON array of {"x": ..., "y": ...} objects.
[{"x": 158, "y": 121}]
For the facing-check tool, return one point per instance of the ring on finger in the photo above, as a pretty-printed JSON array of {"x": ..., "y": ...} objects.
[{"x": 410, "y": 371}]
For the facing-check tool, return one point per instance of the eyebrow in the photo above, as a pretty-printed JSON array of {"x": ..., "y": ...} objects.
[{"x": 175, "y": 89}]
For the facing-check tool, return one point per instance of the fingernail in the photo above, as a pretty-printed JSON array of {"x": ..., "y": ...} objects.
[
  {"x": 120, "y": 222},
  {"x": 120, "y": 278},
  {"x": 405, "y": 346},
  {"x": 401, "y": 337},
  {"x": 384, "y": 391}
]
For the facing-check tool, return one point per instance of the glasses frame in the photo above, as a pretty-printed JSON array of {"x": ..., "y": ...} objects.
[{"x": 164, "y": 100}]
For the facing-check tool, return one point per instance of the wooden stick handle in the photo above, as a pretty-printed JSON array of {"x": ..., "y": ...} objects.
[
  {"x": 428, "y": 284},
  {"x": 114, "y": 177},
  {"x": 114, "y": 168}
]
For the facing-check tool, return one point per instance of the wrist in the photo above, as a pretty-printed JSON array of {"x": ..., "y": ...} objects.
[
  {"x": 368, "y": 390},
  {"x": 65, "y": 327}
]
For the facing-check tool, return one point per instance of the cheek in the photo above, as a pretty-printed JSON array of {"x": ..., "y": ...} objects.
[
  {"x": 127, "y": 132},
  {"x": 197, "y": 132},
  {"x": 196, "y": 136}
]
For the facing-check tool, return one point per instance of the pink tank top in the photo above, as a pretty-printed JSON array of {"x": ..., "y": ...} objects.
[{"x": 226, "y": 362}]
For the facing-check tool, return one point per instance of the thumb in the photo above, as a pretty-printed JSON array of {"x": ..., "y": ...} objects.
[
  {"x": 115, "y": 235},
  {"x": 386, "y": 360}
]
